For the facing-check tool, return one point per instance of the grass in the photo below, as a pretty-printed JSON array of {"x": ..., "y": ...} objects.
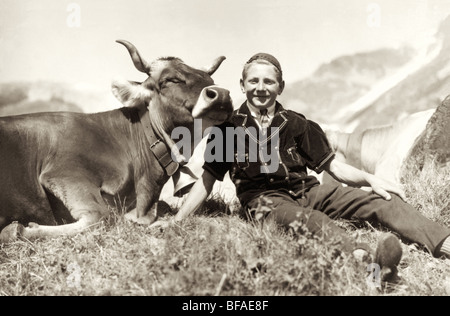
[{"x": 215, "y": 253}]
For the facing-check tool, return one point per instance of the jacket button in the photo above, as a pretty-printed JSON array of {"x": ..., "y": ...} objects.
[{"x": 271, "y": 180}]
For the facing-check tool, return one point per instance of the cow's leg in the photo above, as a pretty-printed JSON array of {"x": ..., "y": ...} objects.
[
  {"x": 146, "y": 211},
  {"x": 159, "y": 209},
  {"x": 147, "y": 219},
  {"x": 38, "y": 212},
  {"x": 32, "y": 207},
  {"x": 33, "y": 230},
  {"x": 82, "y": 198}
]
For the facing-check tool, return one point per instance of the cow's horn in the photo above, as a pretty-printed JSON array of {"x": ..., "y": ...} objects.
[
  {"x": 213, "y": 67},
  {"x": 138, "y": 61}
]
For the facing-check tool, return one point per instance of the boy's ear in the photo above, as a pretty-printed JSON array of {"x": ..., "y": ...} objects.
[
  {"x": 282, "y": 84},
  {"x": 242, "y": 85}
]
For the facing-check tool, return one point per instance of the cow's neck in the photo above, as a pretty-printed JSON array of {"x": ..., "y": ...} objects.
[
  {"x": 163, "y": 128},
  {"x": 347, "y": 147},
  {"x": 353, "y": 150},
  {"x": 338, "y": 141},
  {"x": 126, "y": 122},
  {"x": 341, "y": 144}
]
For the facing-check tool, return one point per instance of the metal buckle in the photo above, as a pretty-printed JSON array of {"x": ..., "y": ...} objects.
[{"x": 155, "y": 143}]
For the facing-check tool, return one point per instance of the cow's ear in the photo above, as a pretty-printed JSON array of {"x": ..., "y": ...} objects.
[{"x": 130, "y": 93}]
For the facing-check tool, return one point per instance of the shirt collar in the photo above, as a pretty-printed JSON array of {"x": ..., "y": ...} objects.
[{"x": 254, "y": 111}]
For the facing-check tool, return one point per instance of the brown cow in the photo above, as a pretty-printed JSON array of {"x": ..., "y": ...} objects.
[{"x": 59, "y": 171}]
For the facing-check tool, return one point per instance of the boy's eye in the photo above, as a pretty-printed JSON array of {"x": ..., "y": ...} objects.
[{"x": 268, "y": 81}]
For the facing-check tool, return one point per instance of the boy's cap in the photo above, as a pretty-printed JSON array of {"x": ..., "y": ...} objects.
[{"x": 271, "y": 59}]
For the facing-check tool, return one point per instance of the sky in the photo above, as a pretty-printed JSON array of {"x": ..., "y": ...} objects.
[{"x": 74, "y": 41}]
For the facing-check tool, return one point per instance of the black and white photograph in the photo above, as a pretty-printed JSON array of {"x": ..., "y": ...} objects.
[{"x": 225, "y": 154}]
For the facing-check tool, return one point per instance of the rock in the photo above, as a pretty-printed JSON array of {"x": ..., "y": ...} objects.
[{"x": 434, "y": 143}]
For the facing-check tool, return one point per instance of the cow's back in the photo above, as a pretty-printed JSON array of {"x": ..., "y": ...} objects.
[{"x": 27, "y": 141}]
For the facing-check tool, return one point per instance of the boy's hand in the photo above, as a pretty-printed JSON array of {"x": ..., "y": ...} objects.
[{"x": 383, "y": 187}]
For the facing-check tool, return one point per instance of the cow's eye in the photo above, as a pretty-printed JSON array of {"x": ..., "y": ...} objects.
[
  {"x": 171, "y": 80},
  {"x": 174, "y": 80}
]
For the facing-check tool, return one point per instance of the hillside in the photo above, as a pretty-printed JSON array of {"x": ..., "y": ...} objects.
[
  {"x": 342, "y": 81},
  {"x": 376, "y": 88},
  {"x": 426, "y": 88},
  {"x": 28, "y": 97}
]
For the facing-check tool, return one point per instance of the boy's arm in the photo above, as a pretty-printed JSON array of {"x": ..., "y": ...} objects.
[
  {"x": 352, "y": 176},
  {"x": 198, "y": 194}
]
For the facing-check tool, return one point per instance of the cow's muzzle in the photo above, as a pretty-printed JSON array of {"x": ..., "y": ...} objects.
[{"x": 214, "y": 103}]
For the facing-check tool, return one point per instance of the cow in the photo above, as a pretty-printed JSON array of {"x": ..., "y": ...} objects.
[
  {"x": 383, "y": 150},
  {"x": 60, "y": 171}
]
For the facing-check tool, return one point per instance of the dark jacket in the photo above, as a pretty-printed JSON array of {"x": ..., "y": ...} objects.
[{"x": 295, "y": 144}]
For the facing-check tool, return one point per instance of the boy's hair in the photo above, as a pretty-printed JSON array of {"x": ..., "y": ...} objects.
[{"x": 263, "y": 58}]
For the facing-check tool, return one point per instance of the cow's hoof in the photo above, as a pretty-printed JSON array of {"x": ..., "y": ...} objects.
[
  {"x": 11, "y": 233},
  {"x": 158, "y": 210},
  {"x": 148, "y": 219}
]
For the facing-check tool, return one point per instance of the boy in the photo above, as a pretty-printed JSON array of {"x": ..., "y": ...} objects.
[{"x": 298, "y": 144}]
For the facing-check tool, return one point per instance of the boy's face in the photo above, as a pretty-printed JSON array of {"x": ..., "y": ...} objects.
[{"x": 261, "y": 85}]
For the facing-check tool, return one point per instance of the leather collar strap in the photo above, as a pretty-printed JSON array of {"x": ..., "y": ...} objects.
[{"x": 158, "y": 147}]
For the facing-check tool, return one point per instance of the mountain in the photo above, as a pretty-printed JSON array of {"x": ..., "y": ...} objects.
[
  {"x": 375, "y": 88},
  {"x": 341, "y": 82},
  {"x": 42, "y": 96}
]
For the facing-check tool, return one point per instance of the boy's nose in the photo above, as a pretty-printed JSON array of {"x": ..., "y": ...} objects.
[{"x": 261, "y": 86}]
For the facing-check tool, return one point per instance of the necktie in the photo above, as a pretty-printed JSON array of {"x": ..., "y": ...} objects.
[{"x": 264, "y": 119}]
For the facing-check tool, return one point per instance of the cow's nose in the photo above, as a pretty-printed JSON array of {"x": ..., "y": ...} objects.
[
  {"x": 211, "y": 94},
  {"x": 213, "y": 98},
  {"x": 217, "y": 96}
]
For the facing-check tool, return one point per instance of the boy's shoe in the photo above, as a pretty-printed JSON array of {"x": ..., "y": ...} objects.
[{"x": 388, "y": 256}]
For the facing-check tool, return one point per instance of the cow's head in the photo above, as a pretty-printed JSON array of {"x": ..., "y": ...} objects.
[{"x": 174, "y": 93}]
